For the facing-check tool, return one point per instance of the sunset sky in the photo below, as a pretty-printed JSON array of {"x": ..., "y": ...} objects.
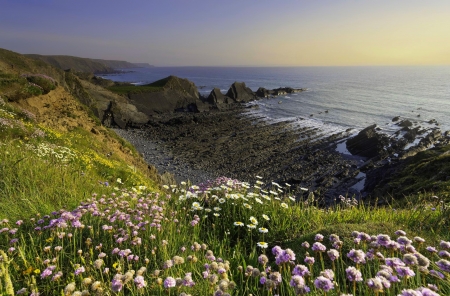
[{"x": 232, "y": 32}]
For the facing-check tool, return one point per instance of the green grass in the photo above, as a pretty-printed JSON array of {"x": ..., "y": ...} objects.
[
  {"x": 75, "y": 220},
  {"x": 132, "y": 89},
  {"x": 126, "y": 89},
  {"x": 42, "y": 169}
]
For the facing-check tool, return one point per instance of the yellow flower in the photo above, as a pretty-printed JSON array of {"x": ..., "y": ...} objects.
[
  {"x": 37, "y": 271},
  {"x": 49, "y": 240}
]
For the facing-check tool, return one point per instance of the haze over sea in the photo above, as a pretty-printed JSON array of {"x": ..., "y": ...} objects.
[{"x": 355, "y": 97}]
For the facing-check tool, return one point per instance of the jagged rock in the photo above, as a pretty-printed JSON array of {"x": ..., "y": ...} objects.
[
  {"x": 368, "y": 142},
  {"x": 396, "y": 118},
  {"x": 240, "y": 92},
  {"x": 263, "y": 92},
  {"x": 217, "y": 98}
]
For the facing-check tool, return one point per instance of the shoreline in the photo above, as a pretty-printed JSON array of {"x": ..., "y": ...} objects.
[{"x": 203, "y": 146}]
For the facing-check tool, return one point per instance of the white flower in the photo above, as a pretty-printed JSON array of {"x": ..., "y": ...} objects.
[
  {"x": 258, "y": 200},
  {"x": 291, "y": 198},
  {"x": 247, "y": 206},
  {"x": 253, "y": 220},
  {"x": 283, "y": 205},
  {"x": 263, "y": 245},
  {"x": 216, "y": 214},
  {"x": 222, "y": 200},
  {"x": 263, "y": 230},
  {"x": 119, "y": 180},
  {"x": 303, "y": 188},
  {"x": 259, "y": 177},
  {"x": 217, "y": 209},
  {"x": 238, "y": 223},
  {"x": 266, "y": 217},
  {"x": 251, "y": 226}
]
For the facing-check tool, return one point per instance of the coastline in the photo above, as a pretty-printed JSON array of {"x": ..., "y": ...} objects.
[{"x": 203, "y": 146}]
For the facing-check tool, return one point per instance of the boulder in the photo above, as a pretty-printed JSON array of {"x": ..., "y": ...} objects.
[
  {"x": 240, "y": 92},
  {"x": 217, "y": 98},
  {"x": 263, "y": 92},
  {"x": 368, "y": 142}
]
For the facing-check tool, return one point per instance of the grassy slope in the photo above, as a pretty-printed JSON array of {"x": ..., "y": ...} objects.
[
  {"x": 125, "y": 89},
  {"x": 27, "y": 185},
  {"x": 74, "y": 63}
]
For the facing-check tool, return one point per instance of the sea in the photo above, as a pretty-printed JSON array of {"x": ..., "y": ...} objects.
[{"x": 336, "y": 98}]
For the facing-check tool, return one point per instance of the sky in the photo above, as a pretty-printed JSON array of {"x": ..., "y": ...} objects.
[{"x": 232, "y": 32}]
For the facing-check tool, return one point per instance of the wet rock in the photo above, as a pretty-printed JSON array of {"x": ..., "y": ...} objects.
[{"x": 368, "y": 142}]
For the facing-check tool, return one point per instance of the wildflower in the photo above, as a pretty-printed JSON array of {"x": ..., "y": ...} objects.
[
  {"x": 333, "y": 254},
  {"x": 444, "y": 244},
  {"x": 323, "y": 283},
  {"x": 404, "y": 271},
  {"x": 437, "y": 274},
  {"x": 422, "y": 260},
  {"x": 410, "y": 259},
  {"x": 431, "y": 249},
  {"x": 410, "y": 292},
  {"x": 283, "y": 205},
  {"x": 309, "y": 260},
  {"x": 301, "y": 270},
  {"x": 253, "y": 220},
  {"x": 265, "y": 217},
  {"x": 69, "y": 289},
  {"x": 305, "y": 245},
  {"x": 383, "y": 239},
  {"x": 419, "y": 240},
  {"x": 318, "y": 237},
  {"x": 443, "y": 265},
  {"x": 400, "y": 232},
  {"x": 263, "y": 230},
  {"x": 377, "y": 284},
  {"x": 57, "y": 276},
  {"x": 169, "y": 282},
  {"x": 353, "y": 274},
  {"x": 140, "y": 282},
  {"x": 79, "y": 270},
  {"x": 263, "y": 245},
  {"x": 239, "y": 223},
  {"x": 403, "y": 240},
  {"x": 116, "y": 283},
  {"x": 251, "y": 226},
  {"x": 444, "y": 254},
  {"x": 262, "y": 259},
  {"x": 357, "y": 256},
  {"x": 318, "y": 247}
]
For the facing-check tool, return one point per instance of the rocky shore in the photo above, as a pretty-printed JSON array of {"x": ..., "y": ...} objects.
[{"x": 198, "y": 138}]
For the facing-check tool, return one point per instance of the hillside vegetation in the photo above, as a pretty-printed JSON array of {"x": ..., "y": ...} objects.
[{"x": 82, "y": 214}]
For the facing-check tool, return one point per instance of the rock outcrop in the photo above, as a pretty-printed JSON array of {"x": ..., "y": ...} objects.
[
  {"x": 368, "y": 142},
  {"x": 177, "y": 94},
  {"x": 217, "y": 98},
  {"x": 240, "y": 93}
]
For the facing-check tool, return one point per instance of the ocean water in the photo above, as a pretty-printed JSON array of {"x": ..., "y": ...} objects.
[{"x": 355, "y": 97}]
